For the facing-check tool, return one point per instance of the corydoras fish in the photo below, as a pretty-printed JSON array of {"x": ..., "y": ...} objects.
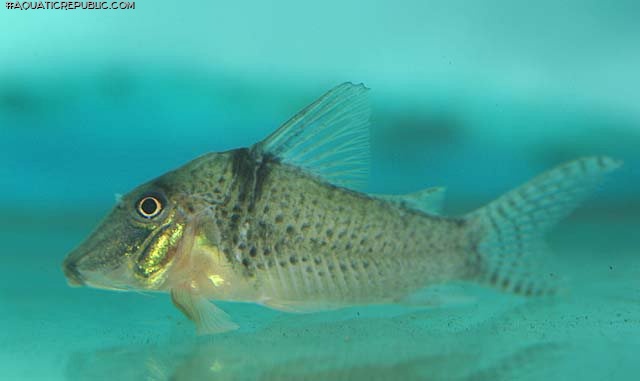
[{"x": 277, "y": 224}]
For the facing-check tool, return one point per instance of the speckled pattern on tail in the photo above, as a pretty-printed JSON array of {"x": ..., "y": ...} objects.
[{"x": 510, "y": 230}]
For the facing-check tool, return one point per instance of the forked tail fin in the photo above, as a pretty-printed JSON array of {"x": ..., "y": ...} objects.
[{"x": 509, "y": 231}]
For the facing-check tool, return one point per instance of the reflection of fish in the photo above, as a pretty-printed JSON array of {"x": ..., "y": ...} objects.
[
  {"x": 273, "y": 224},
  {"x": 353, "y": 349},
  {"x": 211, "y": 363},
  {"x": 524, "y": 363}
]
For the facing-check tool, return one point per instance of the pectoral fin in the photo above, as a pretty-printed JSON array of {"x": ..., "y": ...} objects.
[{"x": 208, "y": 318}]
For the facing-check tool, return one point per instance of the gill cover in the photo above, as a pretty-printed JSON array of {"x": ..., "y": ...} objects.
[{"x": 157, "y": 250}]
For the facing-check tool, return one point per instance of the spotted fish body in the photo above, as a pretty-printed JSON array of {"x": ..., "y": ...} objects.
[
  {"x": 278, "y": 224},
  {"x": 301, "y": 241}
]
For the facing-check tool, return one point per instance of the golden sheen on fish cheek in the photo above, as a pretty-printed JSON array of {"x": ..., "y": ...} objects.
[{"x": 158, "y": 251}]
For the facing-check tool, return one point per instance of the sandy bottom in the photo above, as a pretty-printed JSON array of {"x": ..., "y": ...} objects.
[{"x": 590, "y": 332}]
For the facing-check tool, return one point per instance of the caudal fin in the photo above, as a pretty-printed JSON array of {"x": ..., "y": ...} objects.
[{"x": 509, "y": 231}]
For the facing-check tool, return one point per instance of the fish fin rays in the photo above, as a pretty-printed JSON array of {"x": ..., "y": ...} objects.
[
  {"x": 301, "y": 307},
  {"x": 208, "y": 318},
  {"x": 329, "y": 138},
  {"x": 508, "y": 234},
  {"x": 430, "y": 200}
]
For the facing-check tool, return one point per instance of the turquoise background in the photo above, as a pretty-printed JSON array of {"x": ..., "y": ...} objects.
[{"x": 474, "y": 96}]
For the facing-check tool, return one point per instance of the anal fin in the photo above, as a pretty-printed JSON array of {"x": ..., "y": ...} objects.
[
  {"x": 208, "y": 318},
  {"x": 301, "y": 307}
]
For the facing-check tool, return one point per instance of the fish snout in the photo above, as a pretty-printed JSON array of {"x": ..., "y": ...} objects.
[{"x": 74, "y": 277}]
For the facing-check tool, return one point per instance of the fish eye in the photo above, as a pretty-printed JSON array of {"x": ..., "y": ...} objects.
[{"x": 149, "y": 206}]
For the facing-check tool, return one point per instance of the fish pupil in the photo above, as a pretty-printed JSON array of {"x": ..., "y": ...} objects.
[{"x": 149, "y": 207}]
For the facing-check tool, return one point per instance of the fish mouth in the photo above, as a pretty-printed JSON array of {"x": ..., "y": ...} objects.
[{"x": 74, "y": 277}]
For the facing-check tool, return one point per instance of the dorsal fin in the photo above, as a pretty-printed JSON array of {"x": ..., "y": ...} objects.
[
  {"x": 428, "y": 200},
  {"x": 329, "y": 138}
]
